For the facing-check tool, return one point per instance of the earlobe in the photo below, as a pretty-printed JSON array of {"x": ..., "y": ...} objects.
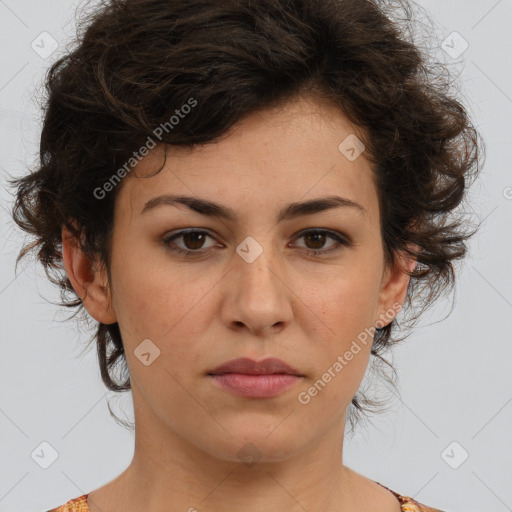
[{"x": 89, "y": 281}]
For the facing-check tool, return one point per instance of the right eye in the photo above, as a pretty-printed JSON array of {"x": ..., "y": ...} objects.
[{"x": 193, "y": 241}]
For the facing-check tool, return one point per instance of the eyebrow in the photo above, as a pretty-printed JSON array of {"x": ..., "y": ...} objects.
[{"x": 293, "y": 210}]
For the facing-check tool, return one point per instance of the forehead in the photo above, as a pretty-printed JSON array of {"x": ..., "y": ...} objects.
[{"x": 273, "y": 157}]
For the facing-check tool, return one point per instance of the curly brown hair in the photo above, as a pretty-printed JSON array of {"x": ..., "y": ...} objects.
[{"x": 136, "y": 61}]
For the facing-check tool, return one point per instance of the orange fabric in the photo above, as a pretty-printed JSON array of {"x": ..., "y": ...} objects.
[
  {"x": 407, "y": 504},
  {"x": 75, "y": 505}
]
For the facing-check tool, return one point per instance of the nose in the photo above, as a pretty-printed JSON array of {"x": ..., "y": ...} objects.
[{"x": 258, "y": 296}]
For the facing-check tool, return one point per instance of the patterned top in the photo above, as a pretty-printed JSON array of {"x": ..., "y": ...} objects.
[{"x": 407, "y": 504}]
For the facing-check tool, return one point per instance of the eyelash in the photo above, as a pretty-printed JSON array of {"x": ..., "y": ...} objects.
[{"x": 342, "y": 241}]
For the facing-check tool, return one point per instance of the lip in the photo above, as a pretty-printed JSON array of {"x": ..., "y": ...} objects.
[
  {"x": 246, "y": 366},
  {"x": 255, "y": 386},
  {"x": 255, "y": 379}
]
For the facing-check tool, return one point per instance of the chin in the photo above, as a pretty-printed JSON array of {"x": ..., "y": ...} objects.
[{"x": 251, "y": 446}]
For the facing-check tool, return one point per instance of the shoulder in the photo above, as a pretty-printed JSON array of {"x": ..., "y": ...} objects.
[
  {"x": 411, "y": 505},
  {"x": 408, "y": 504},
  {"x": 74, "y": 505}
]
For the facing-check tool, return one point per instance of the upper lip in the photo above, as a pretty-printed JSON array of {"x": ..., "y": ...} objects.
[{"x": 248, "y": 366}]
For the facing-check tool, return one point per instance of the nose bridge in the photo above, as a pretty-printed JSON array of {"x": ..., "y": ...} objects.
[{"x": 259, "y": 261}]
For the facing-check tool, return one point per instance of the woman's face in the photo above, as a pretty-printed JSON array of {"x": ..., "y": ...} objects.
[{"x": 251, "y": 285}]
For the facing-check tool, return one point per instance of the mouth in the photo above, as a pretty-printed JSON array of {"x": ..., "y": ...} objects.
[
  {"x": 246, "y": 366},
  {"x": 255, "y": 379},
  {"x": 255, "y": 386}
]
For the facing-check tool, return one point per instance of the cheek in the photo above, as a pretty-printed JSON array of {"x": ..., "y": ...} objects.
[
  {"x": 166, "y": 305},
  {"x": 346, "y": 302},
  {"x": 150, "y": 294},
  {"x": 332, "y": 389}
]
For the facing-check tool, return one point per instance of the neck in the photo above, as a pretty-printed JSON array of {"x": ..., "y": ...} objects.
[{"x": 168, "y": 473}]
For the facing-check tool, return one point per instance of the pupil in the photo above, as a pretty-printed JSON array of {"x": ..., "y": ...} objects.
[
  {"x": 198, "y": 238},
  {"x": 322, "y": 241}
]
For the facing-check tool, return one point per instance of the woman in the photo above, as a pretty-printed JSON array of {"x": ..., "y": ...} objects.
[{"x": 243, "y": 195}]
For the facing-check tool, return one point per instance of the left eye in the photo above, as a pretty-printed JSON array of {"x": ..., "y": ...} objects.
[
  {"x": 319, "y": 237},
  {"x": 194, "y": 240}
]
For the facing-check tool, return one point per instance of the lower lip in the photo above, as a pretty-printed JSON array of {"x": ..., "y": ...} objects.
[{"x": 256, "y": 386}]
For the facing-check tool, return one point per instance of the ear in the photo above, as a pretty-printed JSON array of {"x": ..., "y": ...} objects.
[
  {"x": 395, "y": 282},
  {"x": 89, "y": 281}
]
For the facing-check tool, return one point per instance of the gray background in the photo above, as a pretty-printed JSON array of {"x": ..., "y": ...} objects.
[{"x": 455, "y": 377}]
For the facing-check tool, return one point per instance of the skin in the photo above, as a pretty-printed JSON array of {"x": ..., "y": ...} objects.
[{"x": 201, "y": 311}]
